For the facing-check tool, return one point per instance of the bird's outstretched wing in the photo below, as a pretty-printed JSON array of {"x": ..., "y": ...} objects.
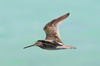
[{"x": 51, "y": 29}]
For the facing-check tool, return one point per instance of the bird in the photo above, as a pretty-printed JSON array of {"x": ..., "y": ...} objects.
[{"x": 52, "y": 40}]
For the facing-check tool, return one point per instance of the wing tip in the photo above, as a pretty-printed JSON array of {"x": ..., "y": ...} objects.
[{"x": 68, "y": 14}]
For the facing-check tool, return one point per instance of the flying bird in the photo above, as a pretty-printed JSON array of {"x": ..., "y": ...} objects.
[{"x": 52, "y": 40}]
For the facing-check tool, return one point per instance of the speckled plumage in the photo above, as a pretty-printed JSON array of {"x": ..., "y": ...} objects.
[{"x": 52, "y": 40}]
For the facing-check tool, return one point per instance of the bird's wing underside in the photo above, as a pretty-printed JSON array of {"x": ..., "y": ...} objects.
[{"x": 51, "y": 29}]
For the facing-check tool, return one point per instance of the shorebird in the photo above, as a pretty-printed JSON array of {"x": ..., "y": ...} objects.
[{"x": 52, "y": 40}]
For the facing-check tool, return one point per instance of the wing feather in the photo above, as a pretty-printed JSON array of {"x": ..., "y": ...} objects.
[{"x": 51, "y": 28}]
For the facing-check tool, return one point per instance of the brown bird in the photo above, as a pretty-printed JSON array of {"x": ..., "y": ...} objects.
[{"x": 52, "y": 40}]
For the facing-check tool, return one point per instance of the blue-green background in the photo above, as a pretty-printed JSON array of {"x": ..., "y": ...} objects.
[{"x": 21, "y": 23}]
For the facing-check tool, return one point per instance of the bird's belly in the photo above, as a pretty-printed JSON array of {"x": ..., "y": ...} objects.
[
  {"x": 51, "y": 48},
  {"x": 48, "y": 48}
]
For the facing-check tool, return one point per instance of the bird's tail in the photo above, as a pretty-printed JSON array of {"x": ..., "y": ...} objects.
[{"x": 29, "y": 46}]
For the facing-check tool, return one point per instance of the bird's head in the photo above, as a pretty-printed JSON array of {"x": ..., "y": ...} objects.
[{"x": 36, "y": 44}]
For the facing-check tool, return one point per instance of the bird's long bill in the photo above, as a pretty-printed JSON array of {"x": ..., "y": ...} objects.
[{"x": 29, "y": 46}]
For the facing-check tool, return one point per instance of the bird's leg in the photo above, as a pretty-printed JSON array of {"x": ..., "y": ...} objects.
[
  {"x": 66, "y": 47},
  {"x": 70, "y": 47}
]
